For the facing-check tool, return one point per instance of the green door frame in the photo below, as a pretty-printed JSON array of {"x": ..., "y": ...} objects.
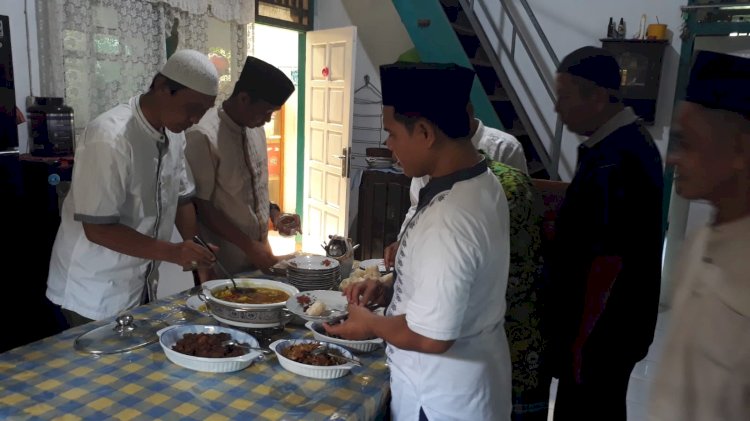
[
  {"x": 301, "y": 54},
  {"x": 693, "y": 29}
]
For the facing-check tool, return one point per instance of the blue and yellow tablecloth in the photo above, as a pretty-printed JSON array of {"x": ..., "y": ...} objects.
[{"x": 49, "y": 379}]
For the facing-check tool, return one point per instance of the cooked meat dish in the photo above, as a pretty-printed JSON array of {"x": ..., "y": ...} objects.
[
  {"x": 302, "y": 353},
  {"x": 207, "y": 345}
]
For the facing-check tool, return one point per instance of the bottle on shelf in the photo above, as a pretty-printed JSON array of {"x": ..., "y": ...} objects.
[
  {"x": 611, "y": 28},
  {"x": 621, "y": 29}
]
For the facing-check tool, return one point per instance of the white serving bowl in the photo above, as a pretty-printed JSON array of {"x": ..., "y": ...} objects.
[
  {"x": 356, "y": 346},
  {"x": 210, "y": 287},
  {"x": 313, "y": 371},
  {"x": 256, "y": 316},
  {"x": 169, "y": 336}
]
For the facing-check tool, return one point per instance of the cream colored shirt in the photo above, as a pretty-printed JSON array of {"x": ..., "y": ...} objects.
[
  {"x": 705, "y": 369},
  {"x": 230, "y": 167}
]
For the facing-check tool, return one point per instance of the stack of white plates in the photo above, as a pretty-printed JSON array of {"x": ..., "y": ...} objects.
[
  {"x": 309, "y": 273},
  {"x": 379, "y": 162}
]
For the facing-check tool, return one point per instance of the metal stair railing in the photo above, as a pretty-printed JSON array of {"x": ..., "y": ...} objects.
[{"x": 538, "y": 128}]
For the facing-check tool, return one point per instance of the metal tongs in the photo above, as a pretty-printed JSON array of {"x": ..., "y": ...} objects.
[{"x": 199, "y": 241}]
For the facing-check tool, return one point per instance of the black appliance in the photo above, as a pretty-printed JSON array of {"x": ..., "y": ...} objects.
[
  {"x": 51, "y": 127},
  {"x": 27, "y": 221},
  {"x": 8, "y": 128}
]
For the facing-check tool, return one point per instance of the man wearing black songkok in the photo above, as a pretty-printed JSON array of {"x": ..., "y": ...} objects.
[
  {"x": 605, "y": 264},
  {"x": 447, "y": 349},
  {"x": 704, "y": 373},
  {"x": 227, "y": 154}
]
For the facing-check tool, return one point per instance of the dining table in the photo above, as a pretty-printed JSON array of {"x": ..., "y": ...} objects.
[{"x": 49, "y": 379}]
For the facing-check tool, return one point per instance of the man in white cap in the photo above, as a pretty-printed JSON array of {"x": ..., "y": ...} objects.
[{"x": 130, "y": 187}]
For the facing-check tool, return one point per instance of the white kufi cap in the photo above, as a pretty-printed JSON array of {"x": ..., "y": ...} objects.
[{"x": 194, "y": 70}]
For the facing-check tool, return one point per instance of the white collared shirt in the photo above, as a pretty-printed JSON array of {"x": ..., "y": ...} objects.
[
  {"x": 500, "y": 146},
  {"x": 230, "y": 165},
  {"x": 704, "y": 372},
  {"x": 623, "y": 118},
  {"x": 452, "y": 272},
  {"x": 126, "y": 172}
]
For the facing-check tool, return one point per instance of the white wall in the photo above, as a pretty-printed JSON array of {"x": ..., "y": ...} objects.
[
  {"x": 22, "y": 13},
  {"x": 570, "y": 24}
]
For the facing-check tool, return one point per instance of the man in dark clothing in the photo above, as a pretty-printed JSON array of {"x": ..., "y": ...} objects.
[{"x": 605, "y": 265}]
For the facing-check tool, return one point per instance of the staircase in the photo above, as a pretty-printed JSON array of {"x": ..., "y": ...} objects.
[{"x": 493, "y": 49}]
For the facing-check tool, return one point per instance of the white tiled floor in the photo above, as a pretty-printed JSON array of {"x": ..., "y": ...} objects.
[{"x": 641, "y": 378}]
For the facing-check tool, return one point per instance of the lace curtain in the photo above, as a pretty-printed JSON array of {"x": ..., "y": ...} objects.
[{"x": 98, "y": 53}]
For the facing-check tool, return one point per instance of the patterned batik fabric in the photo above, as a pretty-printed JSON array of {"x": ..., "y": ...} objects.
[{"x": 523, "y": 315}]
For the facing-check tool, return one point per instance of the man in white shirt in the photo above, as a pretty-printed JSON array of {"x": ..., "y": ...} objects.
[
  {"x": 447, "y": 348},
  {"x": 130, "y": 187},
  {"x": 227, "y": 154},
  {"x": 498, "y": 145},
  {"x": 704, "y": 373}
]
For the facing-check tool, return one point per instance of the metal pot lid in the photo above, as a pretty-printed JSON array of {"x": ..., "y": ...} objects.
[{"x": 124, "y": 334}]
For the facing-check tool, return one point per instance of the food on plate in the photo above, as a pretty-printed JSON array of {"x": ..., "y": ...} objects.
[
  {"x": 310, "y": 306},
  {"x": 251, "y": 295},
  {"x": 303, "y": 353},
  {"x": 360, "y": 275},
  {"x": 316, "y": 309},
  {"x": 326, "y": 262},
  {"x": 304, "y": 301},
  {"x": 207, "y": 345}
]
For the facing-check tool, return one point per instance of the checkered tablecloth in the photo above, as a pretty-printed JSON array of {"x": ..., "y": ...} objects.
[{"x": 49, "y": 379}]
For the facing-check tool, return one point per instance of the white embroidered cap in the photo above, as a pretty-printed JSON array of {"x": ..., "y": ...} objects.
[{"x": 194, "y": 70}]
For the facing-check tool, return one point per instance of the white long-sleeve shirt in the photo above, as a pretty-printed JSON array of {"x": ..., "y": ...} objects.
[{"x": 704, "y": 373}]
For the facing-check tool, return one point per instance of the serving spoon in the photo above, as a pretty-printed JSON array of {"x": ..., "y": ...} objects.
[
  {"x": 321, "y": 350},
  {"x": 232, "y": 342},
  {"x": 200, "y": 241}
]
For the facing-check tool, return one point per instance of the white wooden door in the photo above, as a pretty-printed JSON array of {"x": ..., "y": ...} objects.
[{"x": 329, "y": 97}]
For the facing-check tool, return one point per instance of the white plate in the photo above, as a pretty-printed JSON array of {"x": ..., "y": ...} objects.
[
  {"x": 334, "y": 301},
  {"x": 373, "y": 262},
  {"x": 319, "y": 333},
  {"x": 168, "y": 337},
  {"x": 196, "y": 304},
  {"x": 316, "y": 263}
]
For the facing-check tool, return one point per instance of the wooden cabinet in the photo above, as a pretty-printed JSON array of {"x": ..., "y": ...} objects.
[
  {"x": 383, "y": 203},
  {"x": 640, "y": 63}
]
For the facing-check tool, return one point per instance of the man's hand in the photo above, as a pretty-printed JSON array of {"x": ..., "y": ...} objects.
[
  {"x": 357, "y": 325},
  {"x": 368, "y": 292},
  {"x": 260, "y": 255},
  {"x": 192, "y": 256},
  {"x": 287, "y": 224},
  {"x": 389, "y": 255}
]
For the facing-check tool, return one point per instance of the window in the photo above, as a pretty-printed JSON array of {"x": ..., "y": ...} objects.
[{"x": 292, "y": 14}]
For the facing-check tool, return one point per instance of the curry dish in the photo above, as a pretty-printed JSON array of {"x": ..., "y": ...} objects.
[{"x": 251, "y": 295}]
